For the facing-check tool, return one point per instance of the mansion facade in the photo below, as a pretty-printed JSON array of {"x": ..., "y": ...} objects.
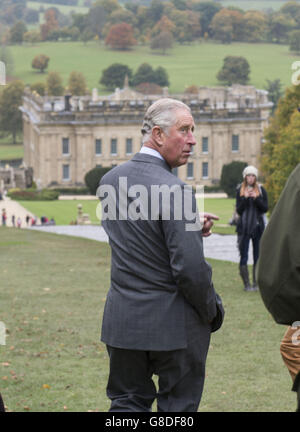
[{"x": 65, "y": 137}]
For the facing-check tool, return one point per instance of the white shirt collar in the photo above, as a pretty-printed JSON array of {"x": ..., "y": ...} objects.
[{"x": 151, "y": 152}]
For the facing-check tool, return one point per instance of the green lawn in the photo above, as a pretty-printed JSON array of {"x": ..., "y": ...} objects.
[
  {"x": 197, "y": 63},
  {"x": 11, "y": 151},
  {"x": 222, "y": 207},
  {"x": 52, "y": 295},
  {"x": 63, "y": 211}
]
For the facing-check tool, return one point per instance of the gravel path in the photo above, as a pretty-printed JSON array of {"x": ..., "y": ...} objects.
[{"x": 221, "y": 247}]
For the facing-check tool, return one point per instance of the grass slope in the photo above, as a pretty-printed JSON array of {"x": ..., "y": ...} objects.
[
  {"x": 197, "y": 63},
  {"x": 52, "y": 295}
]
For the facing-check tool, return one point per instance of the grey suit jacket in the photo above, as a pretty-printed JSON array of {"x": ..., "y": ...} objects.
[{"x": 159, "y": 277}]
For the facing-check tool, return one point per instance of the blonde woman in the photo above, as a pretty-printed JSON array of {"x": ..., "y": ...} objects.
[{"x": 251, "y": 205}]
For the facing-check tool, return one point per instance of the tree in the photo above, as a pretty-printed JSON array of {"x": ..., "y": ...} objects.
[
  {"x": 143, "y": 74},
  {"x": 281, "y": 148},
  {"x": 114, "y": 76},
  {"x": 32, "y": 37},
  {"x": 295, "y": 41},
  {"x": 77, "y": 84},
  {"x": 291, "y": 10},
  {"x": 162, "y": 42},
  {"x": 51, "y": 23},
  {"x": 17, "y": 32},
  {"x": 279, "y": 26},
  {"x": 231, "y": 176},
  {"x": 120, "y": 36},
  {"x": 31, "y": 16},
  {"x": 93, "y": 177},
  {"x": 161, "y": 77},
  {"x": 227, "y": 25},
  {"x": 96, "y": 19},
  {"x": 54, "y": 84},
  {"x": 10, "y": 114},
  {"x": 123, "y": 15},
  {"x": 39, "y": 87},
  {"x": 163, "y": 25},
  {"x": 274, "y": 92},
  {"x": 235, "y": 70},
  {"x": 146, "y": 74},
  {"x": 40, "y": 62},
  {"x": 207, "y": 11},
  {"x": 86, "y": 36},
  {"x": 254, "y": 26}
]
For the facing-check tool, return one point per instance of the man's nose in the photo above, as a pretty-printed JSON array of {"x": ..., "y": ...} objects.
[{"x": 191, "y": 138}]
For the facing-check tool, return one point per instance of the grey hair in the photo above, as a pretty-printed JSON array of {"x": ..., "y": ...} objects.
[{"x": 161, "y": 113}]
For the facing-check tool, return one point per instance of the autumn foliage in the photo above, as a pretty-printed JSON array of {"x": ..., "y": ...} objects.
[
  {"x": 281, "y": 149},
  {"x": 120, "y": 36}
]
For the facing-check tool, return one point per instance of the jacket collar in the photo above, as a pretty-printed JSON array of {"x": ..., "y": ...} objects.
[{"x": 142, "y": 157}]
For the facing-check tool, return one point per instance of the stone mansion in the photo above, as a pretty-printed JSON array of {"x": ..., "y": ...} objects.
[{"x": 65, "y": 137}]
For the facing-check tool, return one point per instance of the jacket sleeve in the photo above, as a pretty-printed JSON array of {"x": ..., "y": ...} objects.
[
  {"x": 261, "y": 201},
  {"x": 279, "y": 260},
  {"x": 193, "y": 275}
]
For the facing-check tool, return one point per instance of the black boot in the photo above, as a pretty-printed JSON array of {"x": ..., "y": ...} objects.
[
  {"x": 245, "y": 277},
  {"x": 296, "y": 388},
  {"x": 2, "y": 408},
  {"x": 254, "y": 285}
]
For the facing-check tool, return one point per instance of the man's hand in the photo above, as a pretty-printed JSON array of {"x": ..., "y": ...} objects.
[{"x": 207, "y": 220}]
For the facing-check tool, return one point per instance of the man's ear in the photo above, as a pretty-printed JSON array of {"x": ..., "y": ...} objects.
[{"x": 158, "y": 135}]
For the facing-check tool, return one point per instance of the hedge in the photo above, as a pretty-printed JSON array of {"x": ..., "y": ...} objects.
[{"x": 33, "y": 194}]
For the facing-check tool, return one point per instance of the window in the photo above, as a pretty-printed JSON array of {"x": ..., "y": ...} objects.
[
  {"x": 66, "y": 172},
  {"x": 235, "y": 143},
  {"x": 204, "y": 169},
  {"x": 129, "y": 146},
  {"x": 98, "y": 146},
  {"x": 190, "y": 170},
  {"x": 204, "y": 144},
  {"x": 65, "y": 146},
  {"x": 113, "y": 146}
]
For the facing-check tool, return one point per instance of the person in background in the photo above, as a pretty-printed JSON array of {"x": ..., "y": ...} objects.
[
  {"x": 251, "y": 205},
  {"x": 279, "y": 273},
  {"x": 4, "y": 217}
]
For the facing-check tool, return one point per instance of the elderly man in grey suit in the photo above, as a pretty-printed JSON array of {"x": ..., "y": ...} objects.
[{"x": 161, "y": 307}]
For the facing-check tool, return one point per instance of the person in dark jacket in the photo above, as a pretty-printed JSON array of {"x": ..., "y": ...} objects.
[
  {"x": 251, "y": 205},
  {"x": 279, "y": 273}
]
